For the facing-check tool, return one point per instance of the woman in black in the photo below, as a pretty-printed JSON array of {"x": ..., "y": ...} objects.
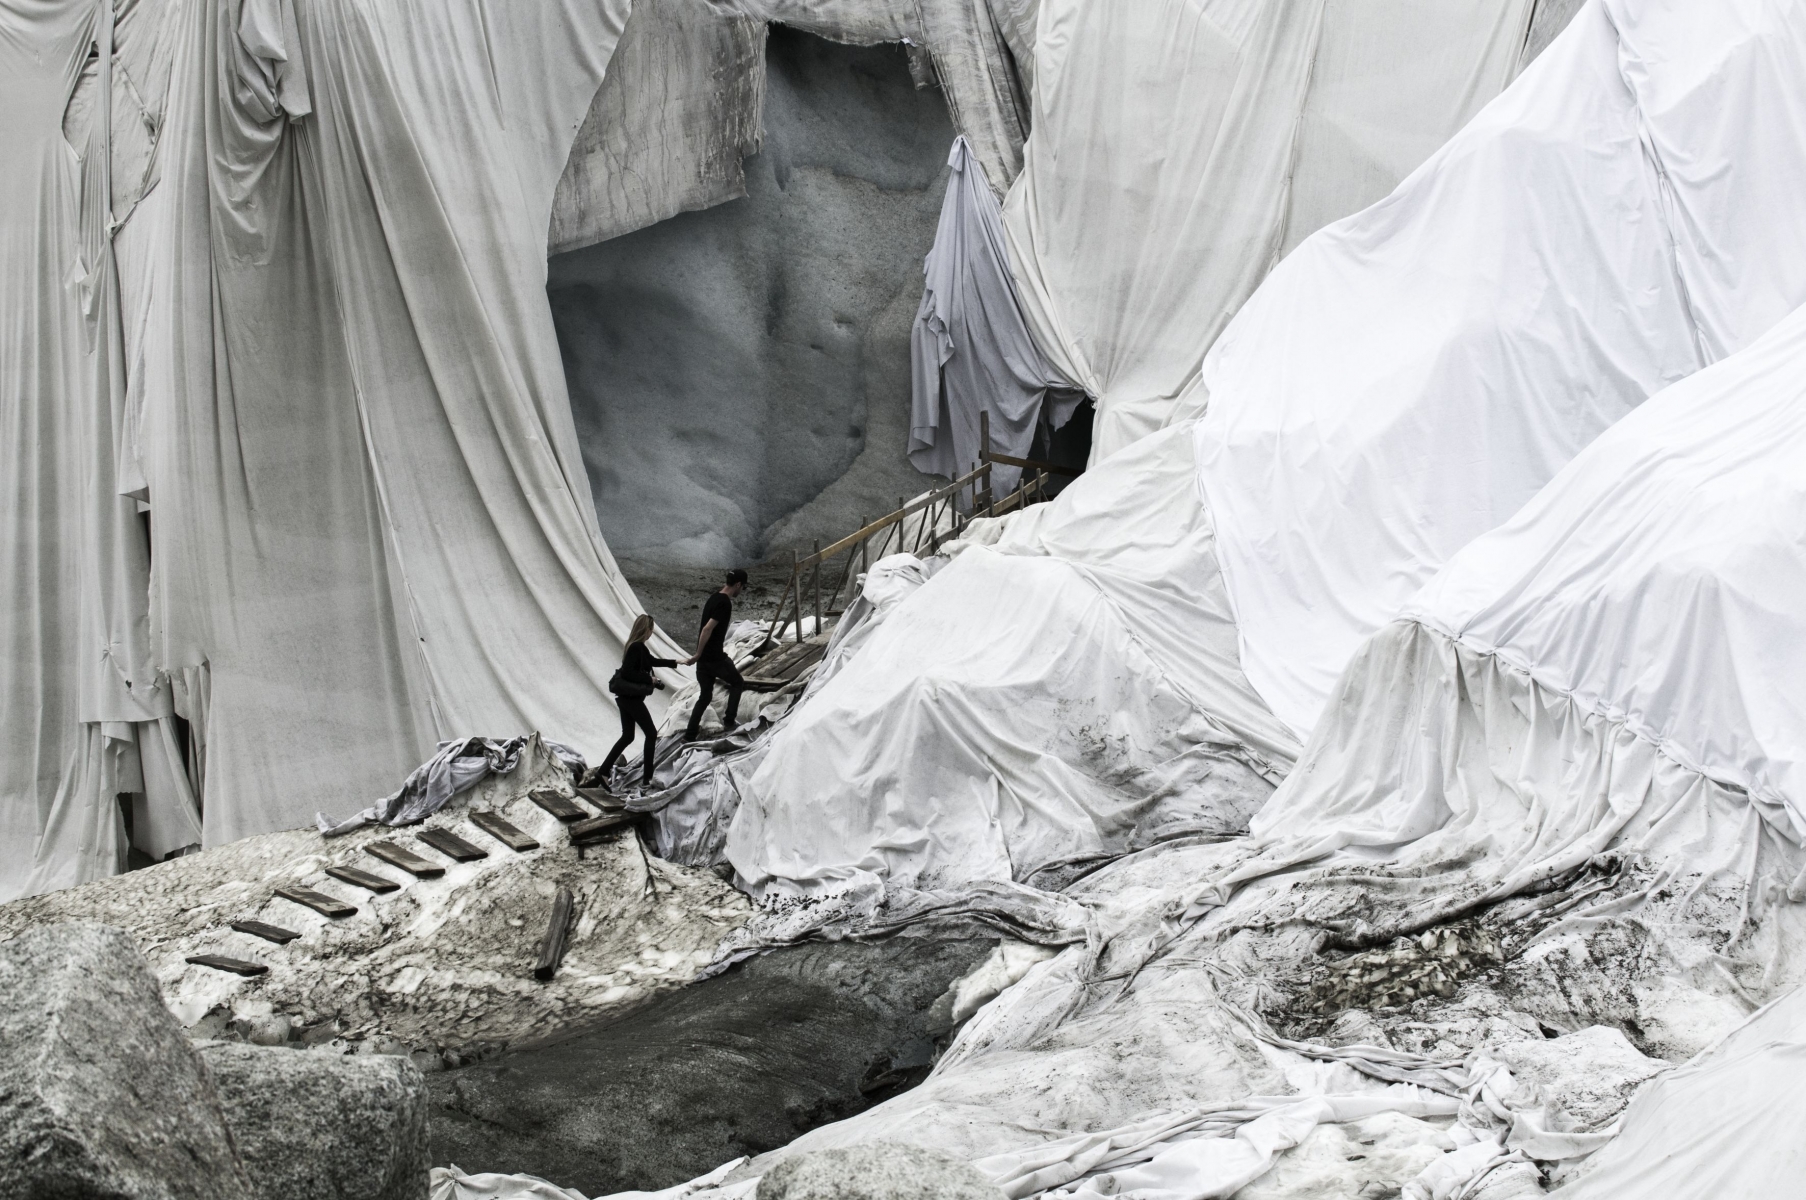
[{"x": 631, "y": 685}]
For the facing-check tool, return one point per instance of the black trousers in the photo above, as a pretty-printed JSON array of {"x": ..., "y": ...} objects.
[
  {"x": 633, "y": 712},
  {"x": 707, "y": 672}
]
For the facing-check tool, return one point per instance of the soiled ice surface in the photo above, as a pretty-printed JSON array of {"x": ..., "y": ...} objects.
[{"x": 442, "y": 967}]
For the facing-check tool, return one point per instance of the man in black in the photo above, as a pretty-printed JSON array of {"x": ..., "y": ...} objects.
[{"x": 711, "y": 659}]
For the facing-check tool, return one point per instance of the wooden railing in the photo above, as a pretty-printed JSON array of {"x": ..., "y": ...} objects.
[
  {"x": 921, "y": 525},
  {"x": 985, "y": 454}
]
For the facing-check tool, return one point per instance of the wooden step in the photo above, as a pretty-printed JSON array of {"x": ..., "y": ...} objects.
[
  {"x": 606, "y": 801},
  {"x": 558, "y": 930},
  {"x": 269, "y": 933},
  {"x": 407, "y": 860},
  {"x": 364, "y": 879},
  {"x": 502, "y": 831},
  {"x": 452, "y": 846},
  {"x": 782, "y": 666},
  {"x": 596, "y": 828},
  {"x": 236, "y": 966},
  {"x": 320, "y": 902},
  {"x": 562, "y": 807}
]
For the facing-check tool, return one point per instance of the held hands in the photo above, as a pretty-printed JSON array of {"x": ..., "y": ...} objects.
[{"x": 688, "y": 661}]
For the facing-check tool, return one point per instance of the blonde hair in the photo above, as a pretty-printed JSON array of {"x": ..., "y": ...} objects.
[{"x": 642, "y": 629}]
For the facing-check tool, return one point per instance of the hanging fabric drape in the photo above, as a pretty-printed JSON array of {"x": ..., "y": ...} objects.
[
  {"x": 78, "y": 693},
  {"x": 319, "y": 355},
  {"x": 372, "y": 521},
  {"x": 1179, "y": 147},
  {"x": 970, "y": 351}
]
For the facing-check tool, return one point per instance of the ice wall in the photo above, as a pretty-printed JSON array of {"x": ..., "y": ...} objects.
[{"x": 740, "y": 375}]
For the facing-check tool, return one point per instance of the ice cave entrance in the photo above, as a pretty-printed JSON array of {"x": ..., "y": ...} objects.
[{"x": 740, "y": 374}]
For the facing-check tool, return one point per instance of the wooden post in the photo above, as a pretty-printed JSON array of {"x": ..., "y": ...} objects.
[
  {"x": 846, "y": 575},
  {"x": 817, "y": 588},
  {"x": 777, "y": 614},
  {"x": 796, "y": 574},
  {"x": 551, "y": 947}
]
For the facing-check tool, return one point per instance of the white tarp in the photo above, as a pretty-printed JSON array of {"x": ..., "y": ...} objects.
[
  {"x": 1726, "y": 1124},
  {"x": 1066, "y": 692},
  {"x": 385, "y": 480},
  {"x": 1136, "y": 234},
  {"x": 1409, "y": 377},
  {"x": 331, "y": 373},
  {"x": 969, "y": 350},
  {"x": 1612, "y": 877},
  {"x": 1486, "y": 773},
  {"x": 1654, "y": 581},
  {"x": 82, "y": 719},
  {"x": 1614, "y": 673},
  {"x": 1541, "y": 321}
]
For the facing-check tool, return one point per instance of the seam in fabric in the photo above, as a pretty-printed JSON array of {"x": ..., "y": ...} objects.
[{"x": 1599, "y": 707}]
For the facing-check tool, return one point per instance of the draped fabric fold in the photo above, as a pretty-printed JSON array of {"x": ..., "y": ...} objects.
[
  {"x": 76, "y": 680},
  {"x": 970, "y": 351},
  {"x": 316, "y": 372},
  {"x": 355, "y": 423},
  {"x": 1409, "y": 377},
  {"x": 1180, "y": 147}
]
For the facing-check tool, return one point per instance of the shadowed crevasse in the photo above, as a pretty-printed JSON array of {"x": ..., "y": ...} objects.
[{"x": 735, "y": 1065}]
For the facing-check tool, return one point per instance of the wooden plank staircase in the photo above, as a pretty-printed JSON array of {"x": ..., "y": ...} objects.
[{"x": 919, "y": 526}]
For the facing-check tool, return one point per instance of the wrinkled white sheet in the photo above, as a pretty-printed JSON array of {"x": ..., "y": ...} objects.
[
  {"x": 1726, "y": 1124},
  {"x": 1480, "y": 760},
  {"x": 1449, "y": 787},
  {"x": 1448, "y": 781},
  {"x": 82, "y": 718},
  {"x": 456, "y": 766},
  {"x": 311, "y": 336},
  {"x": 1065, "y": 692},
  {"x": 1655, "y": 579},
  {"x": 1610, "y": 672},
  {"x": 970, "y": 353},
  {"x": 449, "y": 1183},
  {"x": 1135, "y": 236},
  {"x": 1409, "y": 377},
  {"x": 682, "y": 102},
  {"x": 371, "y": 518}
]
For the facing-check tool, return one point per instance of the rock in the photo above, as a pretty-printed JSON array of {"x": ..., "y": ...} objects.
[
  {"x": 312, "y": 1125},
  {"x": 876, "y": 1171},
  {"x": 101, "y": 1095}
]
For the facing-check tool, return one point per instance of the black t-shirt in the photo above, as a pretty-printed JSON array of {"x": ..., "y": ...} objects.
[{"x": 719, "y": 609}]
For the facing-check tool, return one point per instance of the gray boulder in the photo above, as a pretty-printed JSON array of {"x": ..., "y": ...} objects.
[
  {"x": 318, "y": 1126},
  {"x": 876, "y": 1171},
  {"x": 101, "y": 1095}
]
